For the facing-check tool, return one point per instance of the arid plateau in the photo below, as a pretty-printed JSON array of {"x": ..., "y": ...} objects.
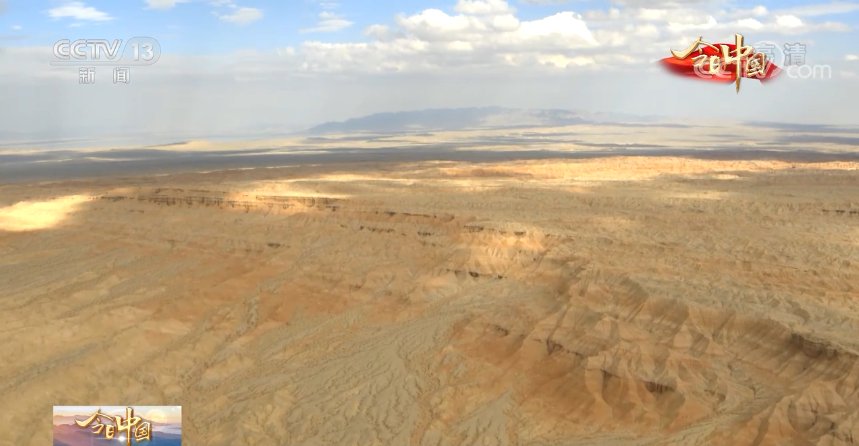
[{"x": 619, "y": 299}]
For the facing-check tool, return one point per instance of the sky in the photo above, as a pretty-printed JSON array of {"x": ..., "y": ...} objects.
[{"x": 245, "y": 68}]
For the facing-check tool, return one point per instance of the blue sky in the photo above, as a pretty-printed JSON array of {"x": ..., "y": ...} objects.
[
  {"x": 197, "y": 26},
  {"x": 241, "y": 67}
]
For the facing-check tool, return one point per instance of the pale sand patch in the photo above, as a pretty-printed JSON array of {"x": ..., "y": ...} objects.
[{"x": 35, "y": 215}]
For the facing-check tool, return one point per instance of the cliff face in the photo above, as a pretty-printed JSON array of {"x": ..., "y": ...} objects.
[{"x": 517, "y": 303}]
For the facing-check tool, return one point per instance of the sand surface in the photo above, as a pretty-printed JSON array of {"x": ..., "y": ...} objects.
[{"x": 619, "y": 301}]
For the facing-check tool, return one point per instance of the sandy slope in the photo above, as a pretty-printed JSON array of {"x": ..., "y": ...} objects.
[{"x": 613, "y": 301}]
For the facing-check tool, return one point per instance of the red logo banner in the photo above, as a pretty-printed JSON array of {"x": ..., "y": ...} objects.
[{"x": 721, "y": 62}]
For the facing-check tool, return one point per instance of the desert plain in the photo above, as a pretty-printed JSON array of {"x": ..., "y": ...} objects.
[{"x": 611, "y": 299}]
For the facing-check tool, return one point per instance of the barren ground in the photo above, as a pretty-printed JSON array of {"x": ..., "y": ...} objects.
[{"x": 622, "y": 300}]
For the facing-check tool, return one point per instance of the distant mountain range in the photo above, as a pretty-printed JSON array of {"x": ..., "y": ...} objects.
[{"x": 465, "y": 118}]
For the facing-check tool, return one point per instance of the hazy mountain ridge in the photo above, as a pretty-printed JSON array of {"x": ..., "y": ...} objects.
[
  {"x": 477, "y": 118},
  {"x": 440, "y": 119}
]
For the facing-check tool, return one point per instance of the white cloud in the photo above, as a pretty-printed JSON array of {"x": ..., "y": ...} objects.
[
  {"x": 851, "y": 57},
  {"x": 544, "y": 2},
  {"x": 327, "y": 5},
  {"x": 671, "y": 4},
  {"x": 562, "y": 61},
  {"x": 481, "y": 35},
  {"x": 242, "y": 16},
  {"x": 497, "y": 29},
  {"x": 17, "y": 27},
  {"x": 653, "y": 14},
  {"x": 434, "y": 24},
  {"x": 596, "y": 15},
  {"x": 328, "y": 22},
  {"x": 823, "y": 9},
  {"x": 713, "y": 20},
  {"x": 758, "y": 12},
  {"x": 483, "y": 7},
  {"x": 162, "y": 4},
  {"x": 378, "y": 31},
  {"x": 709, "y": 24},
  {"x": 78, "y": 11},
  {"x": 789, "y": 21},
  {"x": 753, "y": 24},
  {"x": 567, "y": 26}
]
